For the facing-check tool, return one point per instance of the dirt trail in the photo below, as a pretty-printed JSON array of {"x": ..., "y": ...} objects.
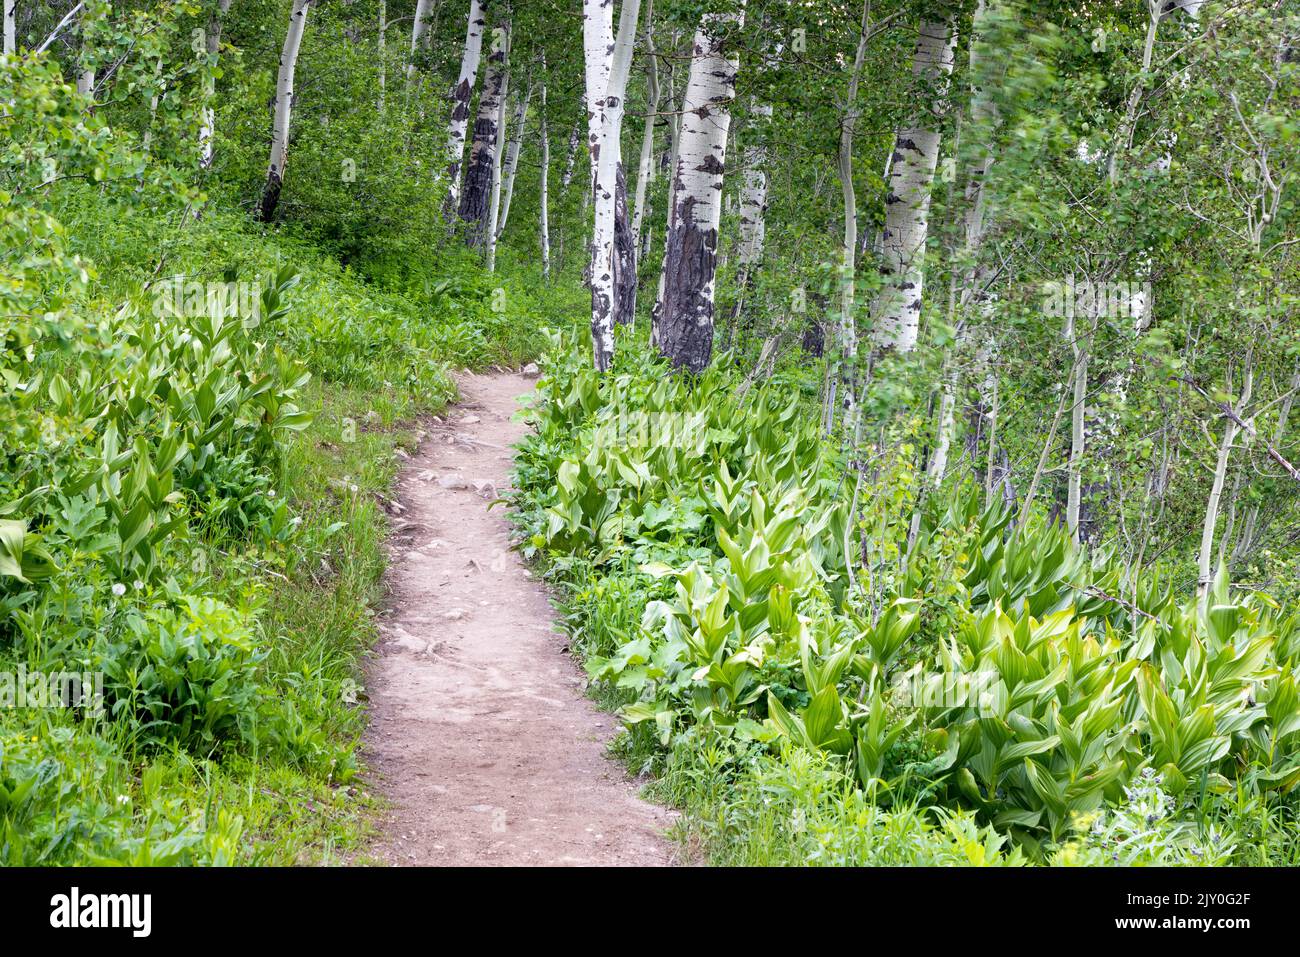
[{"x": 480, "y": 735}]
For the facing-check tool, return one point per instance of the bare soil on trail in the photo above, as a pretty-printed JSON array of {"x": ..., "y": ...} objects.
[{"x": 481, "y": 738}]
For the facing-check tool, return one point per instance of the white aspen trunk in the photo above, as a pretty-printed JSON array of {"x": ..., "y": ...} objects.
[
  {"x": 86, "y": 75},
  {"x": 481, "y": 180},
  {"x": 212, "y": 42},
  {"x": 490, "y": 234},
  {"x": 990, "y": 396},
  {"x": 645, "y": 170},
  {"x": 418, "y": 29},
  {"x": 753, "y": 193},
  {"x": 1231, "y": 527},
  {"x": 146, "y": 142},
  {"x": 753, "y": 207},
  {"x": 691, "y": 246},
  {"x": 544, "y": 226},
  {"x": 512, "y": 157},
  {"x": 383, "y": 52},
  {"x": 907, "y": 210},
  {"x": 947, "y": 422},
  {"x": 461, "y": 96},
  {"x": 983, "y": 114},
  {"x": 598, "y": 62},
  {"x": 283, "y": 111},
  {"x": 1074, "y": 495},
  {"x": 571, "y": 153},
  {"x": 1205, "y": 570},
  {"x": 846, "y": 358},
  {"x": 11, "y": 26},
  {"x": 674, "y": 121},
  {"x": 608, "y": 62}
]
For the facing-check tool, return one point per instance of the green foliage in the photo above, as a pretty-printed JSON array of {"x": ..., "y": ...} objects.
[
  {"x": 1032, "y": 695},
  {"x": 184, "y": 672},
  {"x": 182, "y": 400}
]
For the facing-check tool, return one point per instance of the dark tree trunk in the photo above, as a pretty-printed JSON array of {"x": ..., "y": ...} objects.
[
  {"x": 686, "y": 320},
  {"x": 624, "y": 256},
  {"x": 476, "y": 193},
  {"x": 270, "y": 201},
  {"x": 814, "y": 338}
]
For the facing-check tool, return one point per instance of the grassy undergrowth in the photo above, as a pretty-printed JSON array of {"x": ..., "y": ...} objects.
[{"x": 201, "y": 518}]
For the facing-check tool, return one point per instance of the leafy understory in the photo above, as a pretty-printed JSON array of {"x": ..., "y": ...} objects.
[{"x": 807, "y": 711}]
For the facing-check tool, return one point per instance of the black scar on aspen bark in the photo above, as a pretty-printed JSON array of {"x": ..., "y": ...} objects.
[
  {"x": 711, "y": 164},
  {"x": 461, "y": 110},
  {"x": 814, "y": 338},
  {"x": 476, "y": 195},
  {"x": 270, "y": 197},
  {"x": 686, "y": 322},
  {"x": 624, "y": 254}
]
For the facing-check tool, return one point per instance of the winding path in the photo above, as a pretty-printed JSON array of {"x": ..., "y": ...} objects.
[{"x": 481, "y": 737}]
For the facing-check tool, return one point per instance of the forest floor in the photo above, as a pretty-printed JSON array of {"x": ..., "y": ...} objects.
[{"x": 481, "y": 738}]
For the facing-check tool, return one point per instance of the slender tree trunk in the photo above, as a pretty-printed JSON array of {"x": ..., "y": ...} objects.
[
  {"x": 476, "y": 191},
  {"x": 146, "y": 142},
  {"x": 493, "y": 224},
  {"x": 645, "y": 169},
  {"x": 753, "y": 213},
  {"x": 624, "y": 254},
  {"x": 283, "y": 111},
  {"x": 1082, "y": 352},
  {"x": 983, "y": 115},
  {"x": 11, "y": 26},
  {"x": 1205, "y": 570},
  {"x": 753, "y": 192},
  {"x": 512, "y": 156},
  {"x": 991, "y": 389},
  {"x": 608, "y": 62},
  {"x": 418, "y": 29},
  {"x": 86, "y": 75},
  {"x": 598, "y": 63},
  {"x": 911, "y": 175},
  {"x": 213, "y": 45},
  {"x": 544, "y": 227},
  {"x": 670, "y": 164},
  {"x": 571, "y": 151},
  {"x": 691, "y": 246},
  {"x": 461, "y": 96},
  {"x": 383, "y": 53},
  {"x": 847, "y": 356},
  {"x": 938, "y": 465}
]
